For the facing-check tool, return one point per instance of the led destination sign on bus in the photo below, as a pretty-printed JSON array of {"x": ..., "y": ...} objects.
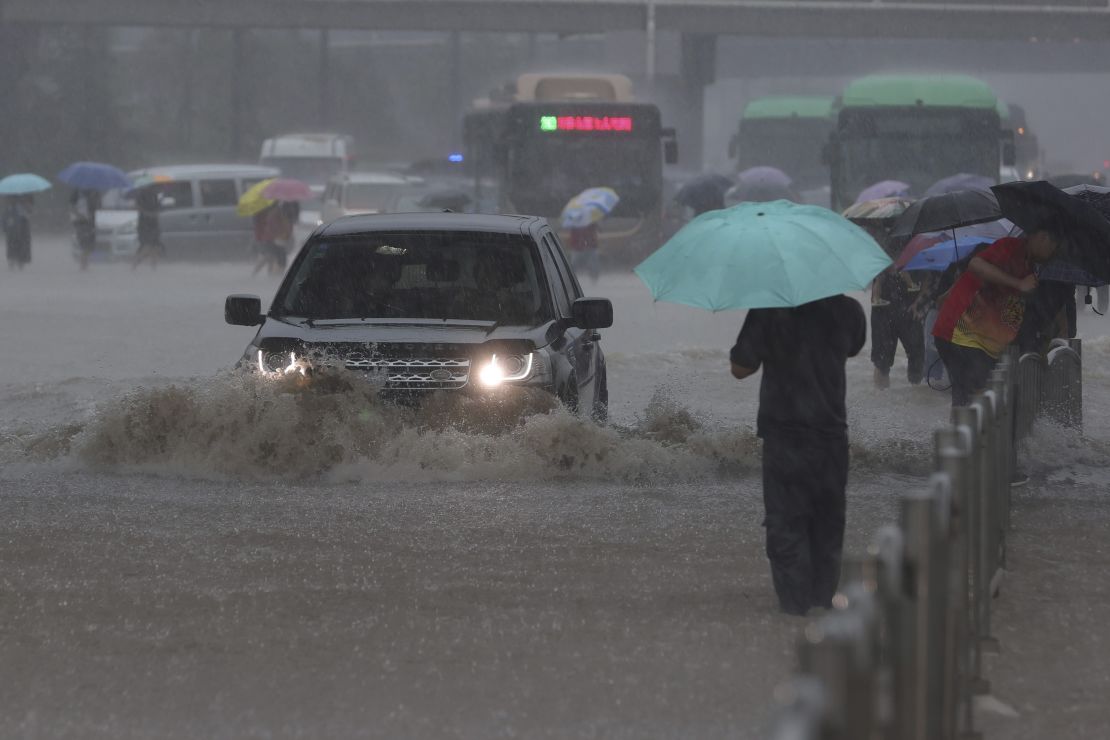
[{"x": 622, "y": 124}]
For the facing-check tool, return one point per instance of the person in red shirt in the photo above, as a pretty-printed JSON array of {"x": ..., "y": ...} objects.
[{"x": 982, "y": 313}]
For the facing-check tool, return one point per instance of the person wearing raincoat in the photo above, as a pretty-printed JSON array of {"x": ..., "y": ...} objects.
[{"x": 17, "y": 230}]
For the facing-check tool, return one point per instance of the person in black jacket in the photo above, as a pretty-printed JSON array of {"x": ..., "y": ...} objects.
[{"x": 804, "y": 426}]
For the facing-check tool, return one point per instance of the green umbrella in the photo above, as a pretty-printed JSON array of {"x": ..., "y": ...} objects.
[{"x": 762, "y": 255}]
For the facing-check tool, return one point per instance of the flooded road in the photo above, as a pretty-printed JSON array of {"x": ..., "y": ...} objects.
[{"x": 188, "y": 555}]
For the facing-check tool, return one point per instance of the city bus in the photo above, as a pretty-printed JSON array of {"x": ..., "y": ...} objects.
[
  {"x": 917, "y": 129},
  {"x": 787, "y": 132},
  {"x": 549, "y": 137}
]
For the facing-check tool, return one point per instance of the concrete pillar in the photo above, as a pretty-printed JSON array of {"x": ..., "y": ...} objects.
[
  {"x": 698, "y": 62},
  {"x": 454, "y": 89},
  {"x": 323, "y": 86},
  {"x": 238, "y": 90}
]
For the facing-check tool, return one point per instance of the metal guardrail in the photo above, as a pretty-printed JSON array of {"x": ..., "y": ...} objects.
[{"x": 901, "y": 655}]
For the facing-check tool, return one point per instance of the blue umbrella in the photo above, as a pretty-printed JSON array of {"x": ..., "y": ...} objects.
[
  {"x": 940, "y": 256},
  {"x": 762, "y": 255},
  {"x": 94, "y": 176},
  {"x": 23, "y": 184}
]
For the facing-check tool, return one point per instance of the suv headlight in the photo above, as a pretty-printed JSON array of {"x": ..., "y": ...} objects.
[
  {"x": 273, "y": 363},
  {"x": 500, "y": 369}
]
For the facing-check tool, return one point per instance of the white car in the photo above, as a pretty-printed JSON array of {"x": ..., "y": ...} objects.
[{"x": 356, "y": 193}]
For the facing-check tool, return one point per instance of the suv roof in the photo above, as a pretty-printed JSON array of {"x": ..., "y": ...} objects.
[{"x": 350, "y": 225}]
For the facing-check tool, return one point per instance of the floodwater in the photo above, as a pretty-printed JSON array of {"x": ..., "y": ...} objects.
[{"x": 190, "y": 553}]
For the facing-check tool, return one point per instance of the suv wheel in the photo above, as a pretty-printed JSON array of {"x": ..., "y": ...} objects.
[
  {"x": 569, "y": 396},
  {"x": 600, "y": 412}
]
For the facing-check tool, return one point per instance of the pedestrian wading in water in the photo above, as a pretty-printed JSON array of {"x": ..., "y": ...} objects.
[
  {"x": 804, "y": 426},
  {"x": 982, "y": 313}
]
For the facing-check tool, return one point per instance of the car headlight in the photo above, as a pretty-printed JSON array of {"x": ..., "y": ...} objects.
[
  {"x": 273, "y": 363},
  {"x": 503, "y": 368}
]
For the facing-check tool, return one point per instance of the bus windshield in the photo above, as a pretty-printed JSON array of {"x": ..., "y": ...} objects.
[
  {"x": 792, "y": 145},
  {"x": 546, "y": 172},
  {"x": 915, "y": 148}
]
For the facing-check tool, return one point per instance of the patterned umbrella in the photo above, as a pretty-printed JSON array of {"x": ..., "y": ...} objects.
[
  {"x": 880, "y": 209},
  {"x": 884, "y": 189},
  {"x": 589, "y": 207}
]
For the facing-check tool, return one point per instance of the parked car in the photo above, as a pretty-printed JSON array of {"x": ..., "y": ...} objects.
[
  {"x": 198, "y": 217},
  {"x": 462, "y": 303}
]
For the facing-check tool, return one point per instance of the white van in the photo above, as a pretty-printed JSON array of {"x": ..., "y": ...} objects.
[{"x": 198, "y": 219}]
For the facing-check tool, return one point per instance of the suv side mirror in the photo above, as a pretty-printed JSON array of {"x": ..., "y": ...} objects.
[
  {"x": 670, "y": 145},
  {"x": 592, "y": 313},
  {"x": 243, "y": 310}
]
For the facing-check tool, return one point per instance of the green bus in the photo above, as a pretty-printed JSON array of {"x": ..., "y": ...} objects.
[
  {"x": 917, "y": 129},
  {"x": 787, "y": 132}
]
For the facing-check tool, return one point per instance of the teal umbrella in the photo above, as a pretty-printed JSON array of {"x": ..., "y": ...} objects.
[
  {"x": 23, "y": 184},
  {"x": 762, "y": 255}
]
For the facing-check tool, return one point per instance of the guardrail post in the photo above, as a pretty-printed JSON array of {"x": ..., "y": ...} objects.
[
  {"x": 801, "y": 714},
  {"x": 1063, "y": 397},
  {"x": 970, "y": 418},
  {"x": 1030, "y": 383},
  {"x": 988, "y": 474},
  {"x": 953, "y": 458},
  {"x": 884, "y": 575},
  {"x": 925, "y": 521},
  {"x": 1005, "y": 460}
]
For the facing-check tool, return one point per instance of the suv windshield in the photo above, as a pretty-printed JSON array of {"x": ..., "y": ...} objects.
[{"x": 441, "y": 275}]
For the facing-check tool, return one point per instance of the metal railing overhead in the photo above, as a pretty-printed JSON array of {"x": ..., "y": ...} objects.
[{"x": 981, "y": 19}]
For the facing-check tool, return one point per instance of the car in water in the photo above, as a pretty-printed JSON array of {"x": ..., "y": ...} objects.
[{"x": 424, "y": 302}]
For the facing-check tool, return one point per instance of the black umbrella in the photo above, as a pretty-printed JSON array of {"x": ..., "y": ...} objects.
[
  {"x": 947, "y": 211},
  {"x": 704, "y": 192},
  {"x": 1036, "y": 205}
]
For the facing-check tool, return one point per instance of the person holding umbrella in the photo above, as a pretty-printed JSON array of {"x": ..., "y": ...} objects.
[
  {"x": 789, "y": 264},
  {"x": 20, "y": 190},
  {"x": 17, "y": 230},
  {"x": 88, "y": 180},
  {"x": 148, "y": 202},
  {"x": 580, "y": 218},
  {"x": 982, "y": 313}
]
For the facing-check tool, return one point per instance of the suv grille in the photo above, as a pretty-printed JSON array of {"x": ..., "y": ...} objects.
[{"x": 412, "y": 372}]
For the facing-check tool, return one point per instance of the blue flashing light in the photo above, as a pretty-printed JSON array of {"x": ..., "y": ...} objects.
[{"x": 454, "y": 157}]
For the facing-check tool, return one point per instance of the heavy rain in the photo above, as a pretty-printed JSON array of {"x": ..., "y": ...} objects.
[{"x": 623, "y": 369}]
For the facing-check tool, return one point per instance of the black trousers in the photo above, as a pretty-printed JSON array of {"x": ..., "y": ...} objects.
[
  {"x": 969, "y": 370},
  {"x": 804, "y": 477},
  {"x": 890, "y": 325}
]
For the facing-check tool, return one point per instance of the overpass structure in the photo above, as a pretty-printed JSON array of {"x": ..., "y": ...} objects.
[{"x": 978, "y": 19}]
